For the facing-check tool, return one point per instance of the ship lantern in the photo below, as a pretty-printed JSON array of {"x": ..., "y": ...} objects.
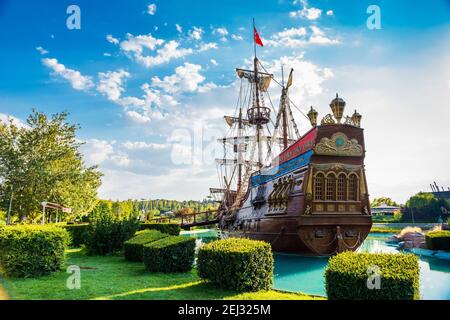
[
  {"x": 312, "y": 115},
  {"x": 337, "y": 105},
  {"x": 356, "y": 119}
]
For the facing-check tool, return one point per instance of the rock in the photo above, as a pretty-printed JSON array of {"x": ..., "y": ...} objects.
[{"x": 414, "y": 240}]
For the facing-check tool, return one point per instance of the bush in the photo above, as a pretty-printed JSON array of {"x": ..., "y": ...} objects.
[
  {"x": 107, "y": 233},
  {"x": 438, "y": 240},
  {"x": 172, "y": 229},
  {"x": 171, "y": 254},
  {"x": 30, "y": 251},
  {"x": 78, "y": 234},
  {"x": 347, "y": 276},
  {"x": 133, "y": 248},
  {"x": 237, "y": 264}
]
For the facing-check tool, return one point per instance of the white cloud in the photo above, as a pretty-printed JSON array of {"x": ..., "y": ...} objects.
[
  {"x": 319, "y": 37},
  {"x": 330, "y": 13},
  {"x": 187, "y": 78},
  {"x": 309, "y": 78},
  {"x": 207, "y": 46},
  {"x": 214, "y": 62},
  {"x": 141, "y": 145},
  {"x": 137, "y": 117},
  {"x": 121, "y": 159},
  {"x": 179, "y": 28},
  {"x": 41, "y": 50},
  {"x": 196, "y": 33},
  {"x": 6, "y": 118},
  {"x": 151, "y": 9},
  {"x": 111, "y": 39},
  {"x": 237, "y": 37},
  {"x": 305, "y": 12},
  {"x": 97, "y": 151},
  {"x": 76, "y": 79},
  {"x": 137, "y": 44},
  {"x": 299, "y": 37},
  {"x": 222, "y": 32},
  {"x": 111, "y": 83},
  {"x": 171, "y": 50}
]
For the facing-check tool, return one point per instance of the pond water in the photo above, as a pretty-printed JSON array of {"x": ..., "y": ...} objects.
[{"x": 306, "y": 274}]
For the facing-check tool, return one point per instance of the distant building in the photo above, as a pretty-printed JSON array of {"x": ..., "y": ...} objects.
[
  {"x": 384, "y": 209},
  {"x": 440, "y": 192}
]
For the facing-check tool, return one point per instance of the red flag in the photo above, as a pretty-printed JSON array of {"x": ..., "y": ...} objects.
[{"x": 257, "y": 38}]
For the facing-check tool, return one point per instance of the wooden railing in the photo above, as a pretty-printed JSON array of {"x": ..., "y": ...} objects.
[{"x": 191, "y": 219}]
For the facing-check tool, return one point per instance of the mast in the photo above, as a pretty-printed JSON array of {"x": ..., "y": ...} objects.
[
  {"x": 258, "y": 126},
  {"x": 285, "y": 124},
  {"x": 239, "y": 182},
  {"x": 284, "y": 108}
]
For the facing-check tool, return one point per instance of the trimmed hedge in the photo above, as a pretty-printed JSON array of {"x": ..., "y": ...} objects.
[
  {"x": 438, "y": 240},
  {"x": 31, "y": 251},
  {"x": 172, "y": 229},
  {"x": 107, "y": 234},
  {"x": 347, "y": 276},
  {"x": 171, "y": 254},
  {"x": 237, "y": 264},
  {"x": 134, "y": 248},
  {"x": 78, "y": 233}
]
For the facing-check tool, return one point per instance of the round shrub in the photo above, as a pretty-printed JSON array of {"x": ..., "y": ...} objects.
[
  {"x": 172, "y": 229},
  {"x": 133, "y": 249},
  {"x": 438, "y": 240},
  {"x": 237, "y": 264},
  {"x": 171, "y": 254},
  {"x": 31, "y": 251},
  {"x": 348, "y": 274},
  {"x": 107, "y": 233}
]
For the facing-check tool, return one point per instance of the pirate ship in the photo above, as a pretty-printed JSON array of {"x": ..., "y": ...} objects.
[{"x": 301, "y": 193}]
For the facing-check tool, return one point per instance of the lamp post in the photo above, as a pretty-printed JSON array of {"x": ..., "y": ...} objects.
[
  {"x": 337, "y": 105},
  {"x": 312, "y": 115}
]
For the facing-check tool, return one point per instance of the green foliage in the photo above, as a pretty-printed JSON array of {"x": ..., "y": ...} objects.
[
  {"x": 78, "y": 234},
  {"x": 383, "y": 200},
  {"x": 30, "y": 251},
  {"x": 2, "y": 217},
  {"x": 438, "y": 240},
  {"x": 133, "y": 249},
  {"x": 237, "y": 264},
  {"x": 170, "y": 254},
  {"x": 107, "y": 233},
  {"x": 398, "y": 215},
  {"x": 425, "y": 207},
  {"x": 385, "y": 230},
  {"x": 172, "y": 229},
  {"x": 113, "y": 278},
  {"x": 42, "y": 162},
  {"x": 347, "y": 274}
]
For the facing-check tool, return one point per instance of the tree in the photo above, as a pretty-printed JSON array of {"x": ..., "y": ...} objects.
[
  {"x": 425, "y": 206},
  {"x": 383, "y": 200},
  {"x": 42, "y": 162}
]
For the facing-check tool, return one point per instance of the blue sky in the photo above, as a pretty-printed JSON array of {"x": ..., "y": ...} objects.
[{"x": 133, "y": 102}]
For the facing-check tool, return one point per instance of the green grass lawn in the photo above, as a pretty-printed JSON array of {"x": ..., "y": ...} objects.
[{"x": 112, "y": 277}]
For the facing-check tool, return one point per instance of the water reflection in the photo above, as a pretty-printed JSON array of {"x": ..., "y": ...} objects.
[{"x": 306, "y": 274}]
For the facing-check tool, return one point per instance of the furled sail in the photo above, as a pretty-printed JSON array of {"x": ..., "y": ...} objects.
[
  {"x": 232, "y": 120},
  {"x": 264, "y": 78}
]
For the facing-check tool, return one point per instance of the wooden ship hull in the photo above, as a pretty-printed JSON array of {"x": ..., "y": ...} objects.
[{"x": 313, "y": 199}]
